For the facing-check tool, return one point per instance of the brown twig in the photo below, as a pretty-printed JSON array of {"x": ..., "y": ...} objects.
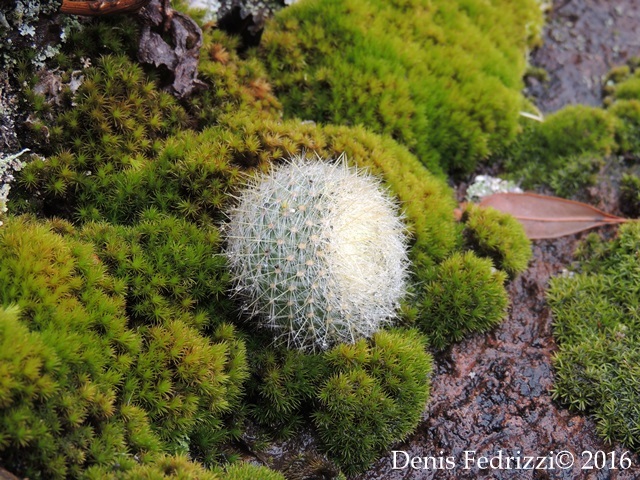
[{"x": 101, "y": 7}]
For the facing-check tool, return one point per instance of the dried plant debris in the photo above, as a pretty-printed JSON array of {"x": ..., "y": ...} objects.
[
  {"x": 181, "y": 56},
  {"x": 101, "y": 7}
]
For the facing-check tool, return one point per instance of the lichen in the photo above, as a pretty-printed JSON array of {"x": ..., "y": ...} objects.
[
  {"x": 9, "y": 164},
  {"x": 28, "y": 25}
]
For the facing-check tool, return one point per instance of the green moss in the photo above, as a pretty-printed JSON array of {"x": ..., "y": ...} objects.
[
  {"x": 444, "y": 80},
  {"x": 375, "y": 397},
  {"x": 176, "y": 285},
  {"x": 166, "y": 467},
  {"x": 567, "y": 150},
  {"x": 173, "y": 280},
  {"x": 576, "y": 173},
  {"x": 148, "y": 194},
  {"x": 497, "y": 236},
  {"x": 544, "y": 150},
  {"x": 180, "y": 467},
  {"x": 629, "y": 89},
  {"x": 71, "y": 314},
  {"x": 103, "y": 35},
  {"x": 597, "y": 326},
  {"x": 113, "y": 123},
  {"x": 628, "y": 132},
  {"x": 118, "y": 113},
  {"x": 538, "y": 73},
  {"x": 247, "y": 471},
  {"x": 195, "y": 174},
  {"x": 362, "y": 397},
  {"x": 622, "y": 89},
  {"x": 94, "y": 391},
  {"x": 172, "y": 269},
  {"x": 576, "y": 129},
  {"x": 616, "y": 75},
  {"x": 630, "y": 195},
  {"x": 464, "y": 294},
  {"x": 282, "y": 388},
  {"x": 232, "y": 83}
]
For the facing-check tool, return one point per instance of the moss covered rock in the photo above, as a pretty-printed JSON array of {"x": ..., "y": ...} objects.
[
  {"x": 569, "y": 142},
  {"x": 443, "y": 78},
  {"x": 375, "y": 397},
  {"x": 596, "y": 324},
  {"x": 137, "y": 289},
  {"x": 568, "y": 149},
  {"x": 622, "y": 90}
]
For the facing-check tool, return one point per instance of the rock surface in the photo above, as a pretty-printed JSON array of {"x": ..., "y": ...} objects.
[
  {"x": 583, "y": 40},
  {"x": 491, "y": 394}
]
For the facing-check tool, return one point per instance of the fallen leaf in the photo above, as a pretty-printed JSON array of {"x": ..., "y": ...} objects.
[{"x": 549, "y": 217}]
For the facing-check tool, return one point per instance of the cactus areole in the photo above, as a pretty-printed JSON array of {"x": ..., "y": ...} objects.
[{"x": 318, "y": 252}]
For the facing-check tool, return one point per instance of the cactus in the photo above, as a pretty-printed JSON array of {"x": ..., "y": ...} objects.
[{"x": 318, "y": 253}]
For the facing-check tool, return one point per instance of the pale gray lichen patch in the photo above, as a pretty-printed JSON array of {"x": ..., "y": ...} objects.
[
  {"x": 33, "y": 25},
  {"x": 485, "y": 185},
  {"x": 8, "y": 110},
  {"x": 9, "y": 164}
]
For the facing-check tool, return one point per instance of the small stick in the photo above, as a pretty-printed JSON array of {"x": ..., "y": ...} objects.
[{"x": 101, "y": 7}]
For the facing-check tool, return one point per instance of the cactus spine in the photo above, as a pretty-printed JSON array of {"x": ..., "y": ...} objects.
[{"x": 318, "y": 253}]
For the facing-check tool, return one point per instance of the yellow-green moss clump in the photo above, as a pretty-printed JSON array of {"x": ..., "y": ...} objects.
[
  {"x": 463, "y": 294},
  {"x": 622, "y": 90},
  {"x": 498, "y": 236},
  {"x": 374, "y": 397},
  {"x": 442, "y": 77},
  {"x": 233, "y": 84},
  {"x": 630, "y": 195},
  {"x": 363, "y": 397},
  {"x": 179, "y": 467},
  {"x": 171, "y": 269},
  {"x": 597, "y": 326},
  {"x": 82, "y": 387}
]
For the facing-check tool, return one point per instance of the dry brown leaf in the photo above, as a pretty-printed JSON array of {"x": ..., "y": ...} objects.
[{"x": 549, "y": 217}]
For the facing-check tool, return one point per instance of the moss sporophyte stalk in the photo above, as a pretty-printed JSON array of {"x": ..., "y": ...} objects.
[{"x": 318, "y": 252}]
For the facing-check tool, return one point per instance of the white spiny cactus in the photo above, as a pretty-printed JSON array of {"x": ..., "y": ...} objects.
[{"x": 318, "y": 253}]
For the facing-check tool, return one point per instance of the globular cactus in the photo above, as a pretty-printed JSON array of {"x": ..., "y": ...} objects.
[{"x": 318, "y": 253}]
